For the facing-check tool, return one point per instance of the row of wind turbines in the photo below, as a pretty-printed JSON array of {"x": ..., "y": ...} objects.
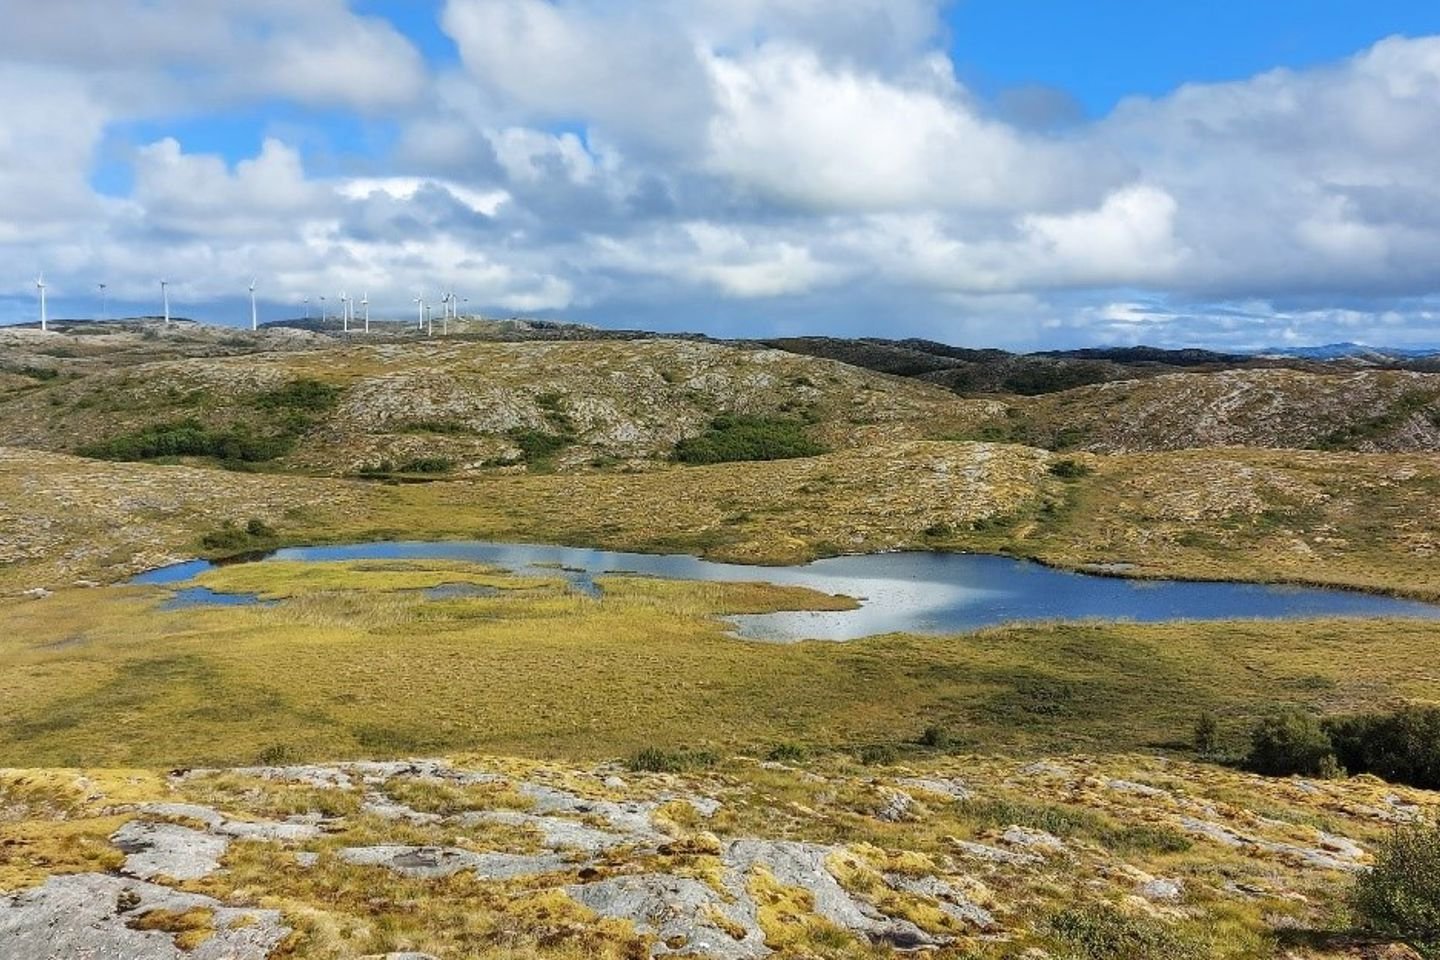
[{"x": 449, "y": 301}]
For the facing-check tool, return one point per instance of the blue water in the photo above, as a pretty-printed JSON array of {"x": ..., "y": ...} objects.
[{"x": 900, "y": 592}]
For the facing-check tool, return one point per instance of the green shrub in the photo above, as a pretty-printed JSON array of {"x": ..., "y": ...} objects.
[
  {"x": 1291, "y": 742},
  {"x": 1400, "y": 896},
  {"x": 190, "y": 438},
  {"x": 1068, "y": 469},
  {"x": 1207, "y": 735},
  {"x": 427, "y": 465},
  {"x": 656, "y": 760},
  {"x": 537, "y": 447},
  {"x": 788, "y": 753},
  {"x": 730, "y": 439},
  {"x": 309, "y": 395},
  {"x": 1101, "y": 931},
  {"x": 232, "y": 538},
  {"x": 937, "y": 738},
  {"x": 1401, "y": 747},
  {"x": 877, "y": 754}
]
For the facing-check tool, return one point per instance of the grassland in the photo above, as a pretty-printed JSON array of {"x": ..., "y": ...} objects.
[{"x": 372, "y": 668}]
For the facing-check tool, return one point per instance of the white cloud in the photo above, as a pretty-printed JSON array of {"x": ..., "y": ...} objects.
[{"x": 784, "y": 155}]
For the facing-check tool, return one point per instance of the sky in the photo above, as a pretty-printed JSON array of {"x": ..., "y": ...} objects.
[{"x": 1028, "y": 174}]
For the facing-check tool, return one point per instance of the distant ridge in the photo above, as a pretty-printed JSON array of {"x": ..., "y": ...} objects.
[{"x": 1349, "y": 351}]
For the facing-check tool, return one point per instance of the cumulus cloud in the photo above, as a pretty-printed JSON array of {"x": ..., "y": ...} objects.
[{"x": 802, "y": 163}]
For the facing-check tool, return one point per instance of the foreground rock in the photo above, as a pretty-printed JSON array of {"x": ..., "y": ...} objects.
[{"x": 505, "y": 857}]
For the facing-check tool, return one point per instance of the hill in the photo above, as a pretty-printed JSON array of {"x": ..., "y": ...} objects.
[
  {"x": 457, "y": 406},
  {"x": 1367, "y": 410}
]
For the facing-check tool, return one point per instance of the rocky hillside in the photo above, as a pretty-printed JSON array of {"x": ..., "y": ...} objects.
[
  {"x": 490, "y": 858},
  {"x": 1367, "y": 410},
  {"x": 436, "y": 407}
]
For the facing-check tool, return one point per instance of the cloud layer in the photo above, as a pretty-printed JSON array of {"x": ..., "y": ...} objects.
[{"x": 750, "y": 166}]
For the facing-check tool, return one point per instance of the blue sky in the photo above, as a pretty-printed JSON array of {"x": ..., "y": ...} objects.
[{"x": 1026, "y": 173}]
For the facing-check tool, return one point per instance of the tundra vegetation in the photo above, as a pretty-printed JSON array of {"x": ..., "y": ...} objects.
[{"x": 621, "y": 777}]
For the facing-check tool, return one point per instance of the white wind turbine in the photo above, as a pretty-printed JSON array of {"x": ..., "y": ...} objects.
[
  {"x": 307, "y": 308},
  {"x": 322, "y": 310},
  {"x": 104, "y": 302},
  {"x": 165, "y": 296},
  {"x": 254, "y": 314},
  {"x": 344, "y": 312},
  {"x": 365, "y": 304},
  {"x": 44, "y": 317},
  {"x": 420, "y": 302}
]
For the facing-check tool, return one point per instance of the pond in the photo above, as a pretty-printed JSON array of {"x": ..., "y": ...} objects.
[{"x": 899, "y": 592}]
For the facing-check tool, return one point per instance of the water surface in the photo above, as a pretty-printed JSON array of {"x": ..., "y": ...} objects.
[{"x": 899, "y": 592}]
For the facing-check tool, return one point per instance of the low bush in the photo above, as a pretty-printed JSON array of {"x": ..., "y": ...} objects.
[
  {"x": 313, "y": 396},
  {"x": 1400, "y": 895},
  {"x": 936, "y": 738},
  {"x": 877, "y": 754},
  {"x": 256, "y": 534},
  {"x": 731, "y": 439},
  {"x": 656, "y": 760},
  {"x": 1101, "y": 931},
  {"x": 1068, "y": 469},
  {"x": 788, "y": 753},
  {"x": 1207, "y": 735}
]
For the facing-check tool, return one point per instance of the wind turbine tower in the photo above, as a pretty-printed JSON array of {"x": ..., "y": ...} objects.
[
  {"x": 44, "y": 317},
  {"x": 104, "y": 303},
  {"x": 165, "y": 296},
  {"x": 420, "y": 302},
  {"x": 254, "y": 315},
  {"x": 344, "y": 312},
  {"x": 365, "y": 304}
]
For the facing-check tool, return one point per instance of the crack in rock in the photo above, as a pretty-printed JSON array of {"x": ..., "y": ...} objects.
[{"x": 676, "y": 910}]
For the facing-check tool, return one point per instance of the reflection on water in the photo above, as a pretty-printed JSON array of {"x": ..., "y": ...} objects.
[{"x": 899, "y": 592}]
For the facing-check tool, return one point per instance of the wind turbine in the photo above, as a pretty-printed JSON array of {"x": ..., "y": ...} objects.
[
  {"x": 104, "y": 303},
  {"x": 445, "y": 300},
  {"x": 322, "y": 311},
  {"x": 344, "y": 312},
  {"x": 307, "y": 308},
  {"x": 165, "y": 296},
  {"x": 420, "y": 300},
  {"x": 44, "y": 318},
  {"x": 254, "y": 316},
  {"x": 365, "y": 303}
]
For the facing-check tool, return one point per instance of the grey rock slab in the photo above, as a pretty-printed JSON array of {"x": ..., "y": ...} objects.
[
  {"x": 168, "y": 850},
  {"x": 1161, "y": 889},
  {"x": 803, "y": 865},
  {"x": 433, "y": 862},
  {"x": 899, "y": 806},
  {"x": 982, "y": 851},
  {"x": 676, "y": 910},
  {"x": 218, "y": 823},
  {"x": 633, "y": 818},
  {"x": 1029, "y": 839},
  {"x": 1321, "y": 859},
  {"x": 952, "y": 788},
  {"x": 424, "y": 862},
  {"x": 948, "y": 899},
  {"x": 557, "y": 833},
  {"x": 378, "y": 805},
  {"x": 79, "y": 917}
]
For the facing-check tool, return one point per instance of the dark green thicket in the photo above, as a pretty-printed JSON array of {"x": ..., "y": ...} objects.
[
  {"x": 1401, "y": 747},
  {"x": 735, "y": 438},
  {"x": 191, "y": 438},
  {"x": 1291, "y": 742},
  {"x": 1400, "y": 896},
  {"x": 287, "y": 412}
]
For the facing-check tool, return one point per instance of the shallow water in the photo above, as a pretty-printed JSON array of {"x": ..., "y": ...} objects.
[{"x": 900, "y": 592}]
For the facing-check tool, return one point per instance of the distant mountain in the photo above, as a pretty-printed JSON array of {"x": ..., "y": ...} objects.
[{"x": 1350, "y": 351}]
